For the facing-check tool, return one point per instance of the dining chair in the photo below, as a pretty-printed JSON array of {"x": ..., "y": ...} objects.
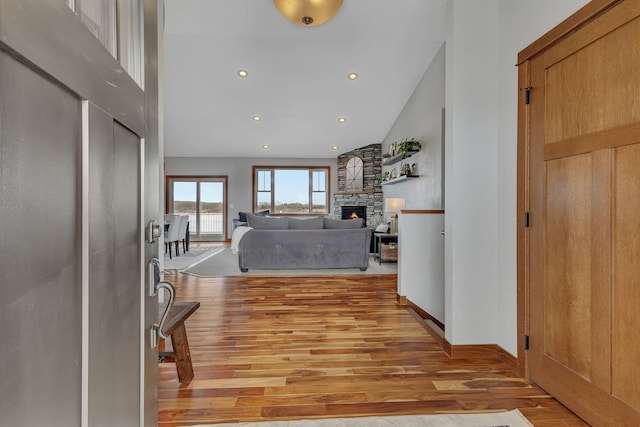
[
  {"x": 172, "y": 235},
  {"x": 182, "y": 233}
]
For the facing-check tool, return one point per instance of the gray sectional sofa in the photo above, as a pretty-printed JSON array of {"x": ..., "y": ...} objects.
[{"x": 314, "y": 243}]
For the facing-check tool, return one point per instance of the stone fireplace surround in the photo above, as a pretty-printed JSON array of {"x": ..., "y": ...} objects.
[{"x": 371, "y": 194}]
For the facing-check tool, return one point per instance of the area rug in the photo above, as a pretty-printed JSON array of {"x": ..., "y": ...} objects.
[
  {"x": 194, "y": 256},
  {"x": 225, "y": 264},
  {"x": 495, "y": 419}
]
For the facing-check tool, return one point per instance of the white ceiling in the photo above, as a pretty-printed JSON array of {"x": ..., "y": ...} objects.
[{"x": 297, "y": 77}]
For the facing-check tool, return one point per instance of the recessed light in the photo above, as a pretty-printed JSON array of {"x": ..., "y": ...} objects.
[
  {"x": 265, "y": 147},
  {"x": 352, "y": 76},
  {"x": 242, "y": 73},
  {"x": 256, "y": 118},
  {"x": 335, "y": 147},
  {"x": 342, "y": 120}
]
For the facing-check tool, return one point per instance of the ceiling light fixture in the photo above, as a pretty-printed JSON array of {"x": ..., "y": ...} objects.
[
  {"x": 335, "y": 147},
  {"x": 342, "y": 120},
  {"x": 256, "y": 118},
  {"x": 352, "y": 76},
  {"x": 265, "y": 147},
  {"x": 308, "y": 13},
  {"x": 242, "y": 73}
]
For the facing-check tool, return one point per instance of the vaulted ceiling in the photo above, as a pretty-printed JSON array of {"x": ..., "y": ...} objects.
[{"x": 297, "y": 76}]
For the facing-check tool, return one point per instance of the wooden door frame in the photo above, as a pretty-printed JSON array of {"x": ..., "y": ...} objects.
[{"x": 580, "y": 18}]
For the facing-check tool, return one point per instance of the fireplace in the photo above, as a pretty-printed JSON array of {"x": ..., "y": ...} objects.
[
  {"x": 369, "y": 201},
  {"x": 349, "y": 212}
]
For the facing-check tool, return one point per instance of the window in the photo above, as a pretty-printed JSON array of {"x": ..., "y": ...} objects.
[
  {"x": 131, "y": 38},
  {"x": 354, "y": 174},
  {"x": 203, "y": 198},
  {"x": 119, "y": 25},
  {"x": 291, "y": 190},
  {"x": 100, "y": 17}
]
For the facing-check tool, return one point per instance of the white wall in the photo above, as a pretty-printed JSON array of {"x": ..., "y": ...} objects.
[
  {"x": 422, "y": 118},
  {"x": 471, "y": 222},
  {"x": 238, "y": 170},
  {"x": 483, "y": 40}
]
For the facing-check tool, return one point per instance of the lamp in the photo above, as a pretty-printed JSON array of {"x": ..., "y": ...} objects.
[
  {"x": 308, "y": 13},
  {"x": 393, "y": 205}
]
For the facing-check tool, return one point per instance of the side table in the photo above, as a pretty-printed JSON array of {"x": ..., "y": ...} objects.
[{"x": 380, "y": 239}]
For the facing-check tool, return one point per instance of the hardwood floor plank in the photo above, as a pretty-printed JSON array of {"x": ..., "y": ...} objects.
[
  {"x": 305, "y": 399},
  {"x": 267, "y": 348}
]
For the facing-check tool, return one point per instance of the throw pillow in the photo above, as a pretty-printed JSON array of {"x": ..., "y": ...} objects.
[
  {"x": 343, "y": 223},
  {"x": 382, "y": 228},
  {"x": 267, "y": 223},
  {"x": 306, "y": 224},
  {"x": 242, "y": 216}
]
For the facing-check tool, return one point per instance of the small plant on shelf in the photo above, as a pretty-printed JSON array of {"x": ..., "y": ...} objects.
[{"x": 410, "y": 145}]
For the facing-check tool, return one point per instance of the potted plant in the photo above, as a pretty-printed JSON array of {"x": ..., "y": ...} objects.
[{"x": 410, "y": 145}]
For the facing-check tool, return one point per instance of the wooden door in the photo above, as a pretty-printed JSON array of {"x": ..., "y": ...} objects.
[{"x": 584, "y": 198}]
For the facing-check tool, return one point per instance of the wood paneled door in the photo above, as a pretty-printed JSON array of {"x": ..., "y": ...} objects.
[{"x": 580, "y": 162}]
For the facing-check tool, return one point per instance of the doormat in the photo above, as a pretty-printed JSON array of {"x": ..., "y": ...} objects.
[{"x": 493, "y": 419}]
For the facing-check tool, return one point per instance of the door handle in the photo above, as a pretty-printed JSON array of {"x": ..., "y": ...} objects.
[
  {"x": 154, "y": 276},
  {"x": 157, "y": 328}
]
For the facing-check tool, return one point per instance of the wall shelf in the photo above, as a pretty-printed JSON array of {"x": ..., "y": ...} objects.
[
  {"x": 395, "y": 159},
  {"x": 401, "y": 178}
]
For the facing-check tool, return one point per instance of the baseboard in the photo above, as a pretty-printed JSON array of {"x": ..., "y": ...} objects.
[
  {"x": 473, "y": 351},
  {"x": 480, "y": 351},
  {"x": 428, "y": 322},
  {"x": 423, "y": 313},
  {"x": 437, "y": 335},
  {"x": 507, "y": 358}
]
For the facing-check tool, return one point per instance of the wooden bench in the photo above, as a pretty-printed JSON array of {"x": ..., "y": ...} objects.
[{"x": 174, "y": 326}]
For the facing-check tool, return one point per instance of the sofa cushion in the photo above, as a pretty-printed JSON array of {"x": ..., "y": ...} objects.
[
  {"x": 267, "y": 223},
  {"x": 242, "y": 216},
  {"x": 343, "y": 223},
  {"x": 306, "y": 224}
]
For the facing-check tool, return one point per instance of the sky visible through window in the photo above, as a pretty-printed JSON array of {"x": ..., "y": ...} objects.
[
  {"x": 186, "y": 191},
  {"x": 292, "y": 186}
]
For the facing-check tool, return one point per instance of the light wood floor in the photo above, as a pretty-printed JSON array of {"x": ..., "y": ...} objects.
[{"x": 286, "y": 348}]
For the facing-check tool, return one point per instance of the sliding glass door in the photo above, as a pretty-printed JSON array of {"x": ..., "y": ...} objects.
[{"x": 203, "y": 198}]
